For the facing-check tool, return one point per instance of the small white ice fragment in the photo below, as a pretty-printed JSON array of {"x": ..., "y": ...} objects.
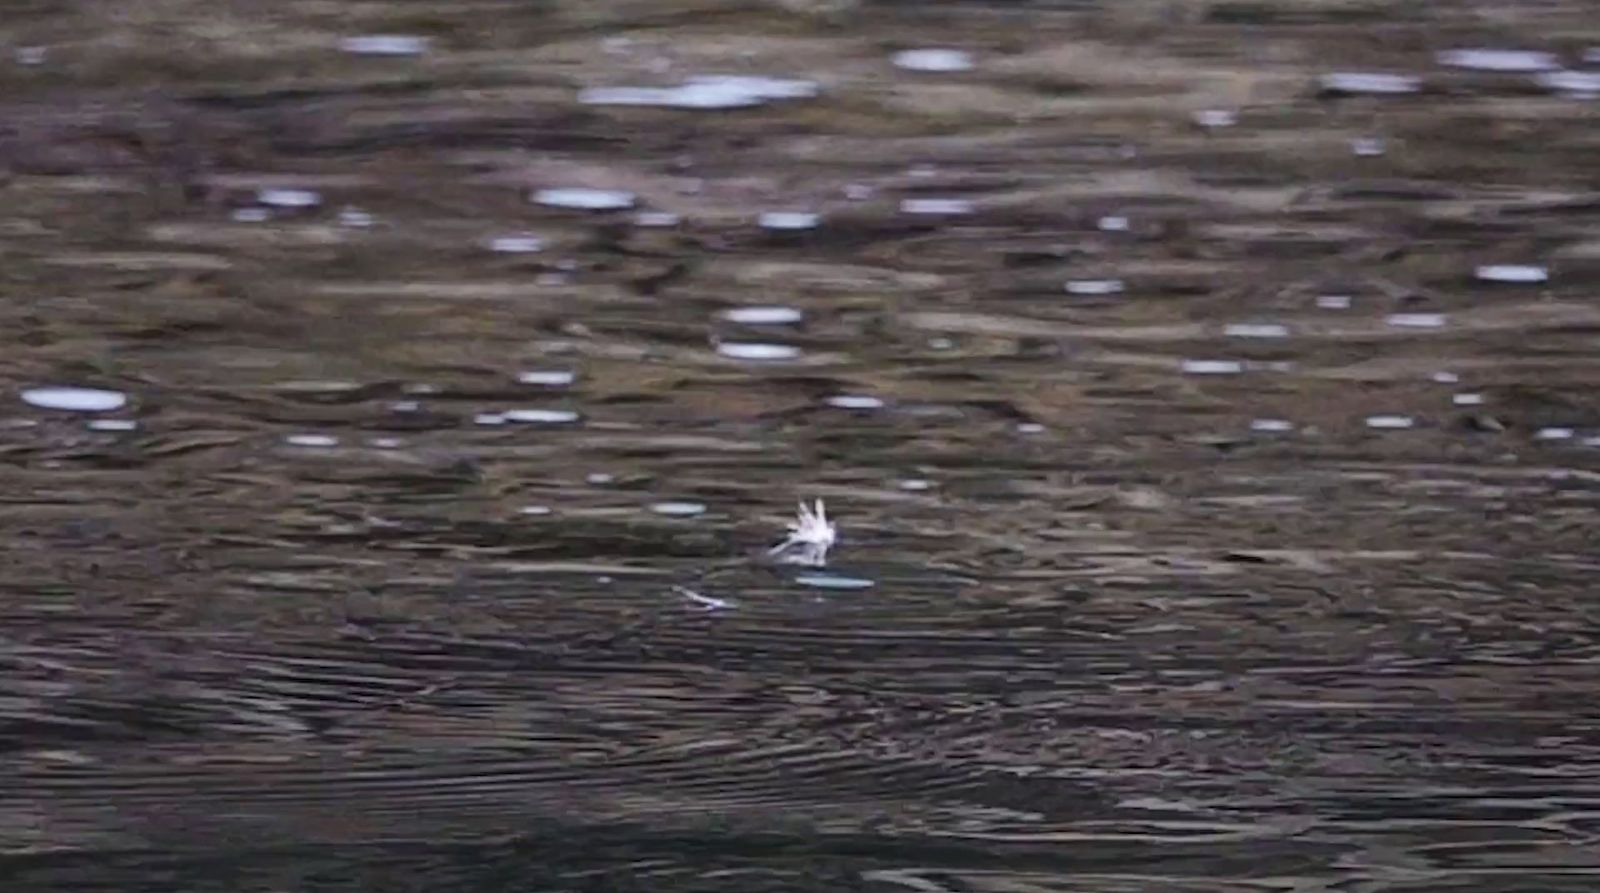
[
  {"x": 1369, "y": 83},
  {"x": 553, "y": 378},
  {"x": 1334, "y": 302},
  {"x": 1416, "y": 320},
  {"x": 916, "y": 484},
  {"x": 757, "y": 351},
  {"x": 678, "y": 509},
  {"x": 1212, "y": 367},
  {"x": 584, "y": 199},
  {"x": 1521, "y": 274},
  {"x": 1030, "y": 428},
  {"x": 354, "y": 218},
  {"x": 113, "y": 425},
  {"x": 833, "y": 581},
  {"x": 855, "y": 401},
  {"x": 74, "y": 399},
  {"x": 1113, "y": 224},
  {"x": 1271, "y": 426},
  {"x": 521, "y": 243},
  {"x": 941, "y": 60},
  {"x": 1445, "y": 377},
  {"x": 311, "y": 440},
  {"x": 542, "y": 416},
  {"x": 1390, "y": 421},
  {"x": 599, "y": 478},
  {"x": 788, "y": 220},
  {"x": 1215, "y": 118},
  {"x": 1467, "y": 399},
  {"x": 656, "y": 219},
  {"x": 1367, "y": 147},
  {"x": 1255, "y": 330},
  {"x": 385, "y": 443},
  {"x": 1553, "y": 434},
  {"x": 763, "y": 315},
  {"x": 385, "y": 45},
  {"x": 535, "y": 510},
  {"x": 1094, "y": 287},
  {"x": 1480, "y": 59},
  {"x": 1582, "y": 83},
  {"x": 857, "y": 192},
  {"x": 488, "y": 418},
  {"x": 288, "y": 198},
  {"x": 936, "y": 206}
]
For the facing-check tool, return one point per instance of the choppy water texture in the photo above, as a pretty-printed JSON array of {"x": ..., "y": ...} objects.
[{"x": 1206, "y": 393}]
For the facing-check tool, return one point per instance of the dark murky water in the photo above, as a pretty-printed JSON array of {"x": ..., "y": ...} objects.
[{"x": 1216, "y": 453}]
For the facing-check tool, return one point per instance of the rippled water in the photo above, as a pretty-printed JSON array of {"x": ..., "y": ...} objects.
[{"x": 1205, "y": 394}]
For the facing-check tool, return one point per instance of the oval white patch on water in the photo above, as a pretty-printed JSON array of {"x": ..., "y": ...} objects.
[
  {"x": 833, "y": 581},
  {"x": 74, "y": 399},
  {"x": 1390, "y": 421},
  {"x": 1481, "y": 59},
  {"x": 542, "y": 416},
  {"x": 552, "y": 378},
  {"x": 1370, "y": 83},
  {"x": 385, "y": 45},
  {"x": 936, "y": 206},
  {"x": 311, "y": 440},
  {"x": 1416, "y": 320},
  {"x": 1271, "y": 426},
  {"x": 788, "y": 220},
  {"x": 1467, "y": 399},
  {"x": 1554, "y": 434},
  {"x": 772, "y": 315},
  {"x": 678, "y": 509},
  {"x": 1212, "y": 367},
  {"x": 1094, "y": 287},
  {"x": 936, "y": 60},
  {"x": 288, "y": 198},
  {"x": 757, "y": 351},
  {"x": 584, "y": 199},
  {"x": 1520, "y": 274},
  {"x": 113, "y": 425},
  {"x": 1255, "y": 330},
  {"x": 656, "y": 219},
  {"x": 1334, "y": 302},
  {"x": 855, "y": 401},
  {"x": 522, "y": 243}
]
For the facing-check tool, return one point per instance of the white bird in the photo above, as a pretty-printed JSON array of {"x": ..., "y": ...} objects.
[{"x": 810, "y": 537}]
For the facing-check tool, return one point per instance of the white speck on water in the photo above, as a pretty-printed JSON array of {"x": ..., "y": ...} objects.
[
  {"x": 422, "y": 387},
  {"x": 1467, "y": 399},
  {"x": 1390, "y": 421},
  {"x": 385, "y": 45},
  {"x": 311, "y": 440},
  {"x": 488, "y": 418},
  {"x": 1521, "y": 274},
  {"x": 857, "y": 192},
  {"x": 288, "y": 198},
  {"x": 788, "y": 220},
  {"x": 1030, "y": 428},
  {"x": 73, "y": 399},
  {"x": 29, "y": 55},
  {"x": 405, "y": 406},
  {"x": 354, "y": 218},
  {"x": 1212, "y": 367},
  {"x": 1370, "y": 83},
  {"x": 678, "y": 509},
  {"x": 1585, "y": 84},
  {"x": 1445, "y": 377},
  {"x": 1094, "y": 287},
  {"x": 1481, "y": 59},
  {"x": 1367, "y": 147},
  {"x": 521, "y": 243},
  {"x": 249, "y": 215},
  {"x": 1334, "y": 302},
  {"x": 599, "y": 478},
  {"x": 535, "y": 510},
  {"x": 833, "y": 581},
  {"x": 656, "y": 219},
  {"x": 772, "y": 315},
  {"x": 1215, "y": 118},
  {"x": 1255, "y": 330},
  {"x": 1113, "y": 224},
  {"x": 1554, "y": 434},
  {"x": 542, "y": 416},
  {"x": 1416, "y": 320},
  {"x": 553, "y": 378},
  {"x": 386, "y": 443},
  {"x": 705, "y": 92},
  {"x": 932, "y": 206},
  {"x": 746, "y": 350},
  {"x": 941, "y": 343},
  {"x": 916, "y": 484},
  {"x": 1271, "y": 426},
  {"x": 940, "y": 60},
  {"x": 113, "y": 425},
  {"x": 855, "y": 401},
  {"x": 584, "y": 199}
]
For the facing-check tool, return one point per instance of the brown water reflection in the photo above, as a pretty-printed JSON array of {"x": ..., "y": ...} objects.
[{"x": 1227, "y": 528}]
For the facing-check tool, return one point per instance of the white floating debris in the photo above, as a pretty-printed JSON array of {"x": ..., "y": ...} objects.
[
  {"x": 1445, "y": 377},
  {"x": 1521, "y": 274},
  {"x": 678, "y": 509},
  {"x": 757, "y": 351},
  {"x": 386, "y": 443},
  {"x": 354, "y": 218},
  {"x": 1554, "y": 434},
  {"x": 857, "y": 192},
  {"x": 706, "y": 601},
  {"x": 1212, "y": 367},
  {"x": 932, "y": 206},
  {"x": 522, "y": 243},
  {"x": 855, "y": 401},
  {"x": 1255, "y": 330},
  {"x": 311, "y": 440},
  {"x": 250, "y": 215},
  {"x": 488, "y": 418},
  {"x": 405, "y": 406},
  {"x": 584, "y": 199},
  {"x": 656, "y": 219},
  {"x": 1334, "y": 302},
  {"x": 1112, "y": 224},
  {"x": 1582, "y": 83},
  {"x": 833, "y": 581},
  {"x": 1467, "y": 399},
  {"x": 1369, "y": 83},
  {"x": 535, "y": 510},
  {"x": 1480, "y": 59},
  {"x": 941, "y": 343},
  {"x": 1367, "y": 147},
  {"x": 942, "y": 60},
  {"x": 554, "y": 378},
  {"x": 1215, "y": 118},
  {"x": 542, "y": 416},
  {"x": 288, "y": 198},
  {"x": 29, "y": 55},
  {"x": 916, "y": 484},
  {"x": 113, "y": 425},
  {"x": 1390, "y": 421},
  {"x": 74, "y": 399},
  {"x": 1094, "y": 287},
  {"x": 788, "y": 220},
  {"x": 1030, "y": 428},
  {"x": 705, "y": 92},
  {"x": 1271, "y": 426},
  {"x": 1416, "y": 320},
  {"x": 810, "y": 537},
  {"x": 600, "y": 478},
  {"x": 417, "y": 387},
  {"x": 773, "y": 315},
  {"x": 385, "y": 45}
]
